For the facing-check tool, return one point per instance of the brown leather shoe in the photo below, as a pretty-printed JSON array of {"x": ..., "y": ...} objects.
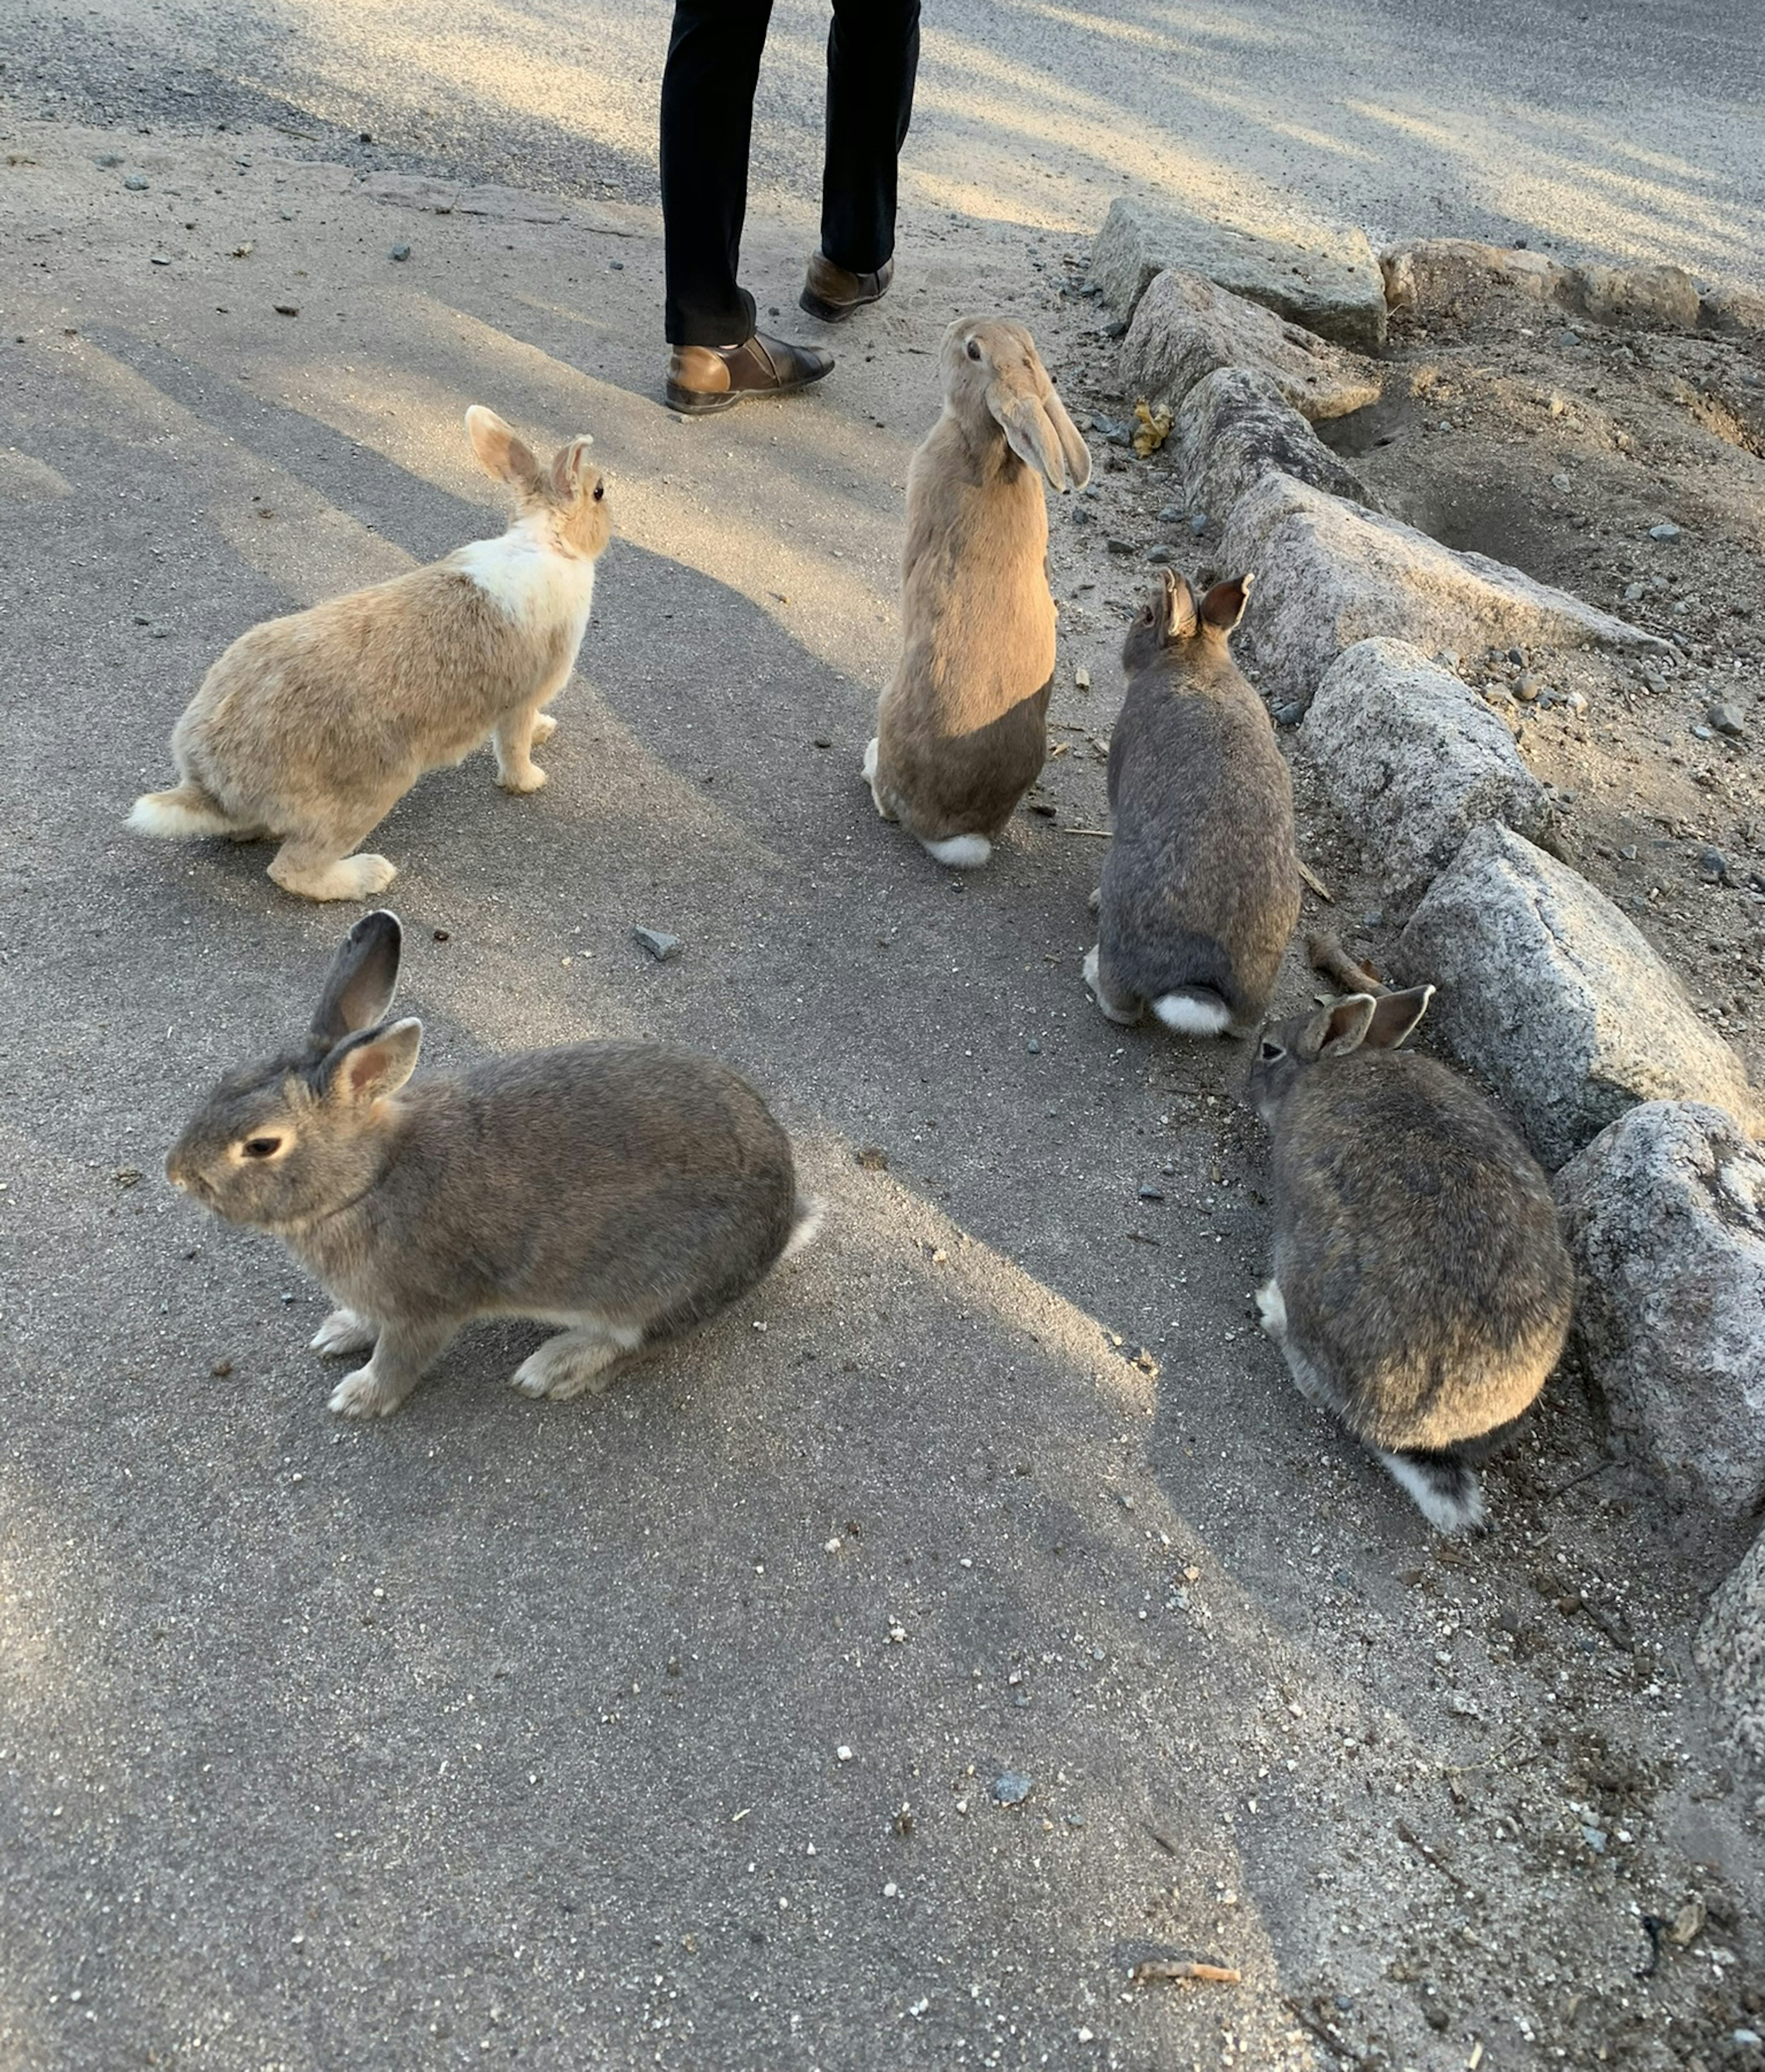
[
  {"x": 832, "y": 294},
  {"x": 704, "y": 378}
]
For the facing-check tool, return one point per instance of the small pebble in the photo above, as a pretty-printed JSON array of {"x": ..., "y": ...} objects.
[
  {"x": 1576, "y": 702},
  {"x": 1198, "y": 523},
  {"x": 1173, "y": 514},
  {"x": 1666, "y": 530},
  {"x": 1728, "y": 719},
  {"x": 159, "y": 259},
  {"x": 287, "y": 309},
  {"x": 1526, "y": 690},
  {"x": 1033, "y": 1047},
  {"x": 1560, "y": 483},
  {"x": 107, "y": 159},
  {"x": 661, "y": 946},
  {"x": 1713, "y": 863},
  {"x": 400, "y": 252},
  {"x": 1160, "y": 557},
  {"x": 1120, "y": 546},
  {"x": 618, "y": 266},
  {"x": 1012, "y": 1788},
  {"x": 135, "y": 184},
  {"x": 1289, "y": 715},
  {"x": 1633, "y": 593},
  {"x": 1081, "y": 678},
  {"x": 1149, "y": 1193},
  {"x": 1516, "y": 657}
]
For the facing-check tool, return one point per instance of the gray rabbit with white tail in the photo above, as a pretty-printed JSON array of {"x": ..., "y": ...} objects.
[
  {"x": 1421, "y": 1289},
  {"x": 1201, "y": 885},
  {"x": 624, "y": 1191}
]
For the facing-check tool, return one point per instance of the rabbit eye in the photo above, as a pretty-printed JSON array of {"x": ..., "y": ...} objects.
[
  {"x": 262, "y": 1147},
  {"x": 974, "y": 349},
  {"x": 600, "y": 490},
  {"x": 1271, "y": 1052}
]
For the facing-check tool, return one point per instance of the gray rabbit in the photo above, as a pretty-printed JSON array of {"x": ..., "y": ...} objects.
[
  {"x": 1421, "y": 1290},
  {"x": 624, "y": 1191},
  {"x": 1200, "y": 887}
]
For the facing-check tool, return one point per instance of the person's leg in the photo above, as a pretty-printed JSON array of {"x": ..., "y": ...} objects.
[
  {"x": 873, "y": 54},
  {"x": 713, "y": 65}
]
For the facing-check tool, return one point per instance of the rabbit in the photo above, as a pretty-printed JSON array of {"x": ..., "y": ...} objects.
[
  {"x": 624, "y": 1191},
  {"x": 1200, "y": 888},
  {"x": 310, "y": 729},
  {"x": 1421, "y": 1289},
  {"x": 961, "y": 731}
]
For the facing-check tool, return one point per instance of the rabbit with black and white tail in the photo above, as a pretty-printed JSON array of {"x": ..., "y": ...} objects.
[
  {"x": 624, "y": 1191},
  {"x": 1201, "y": 885},
  {"x": 310, "y": 729},
  {"x": 961, "y": 732},
  {"x": 1421, "y": 1289}
]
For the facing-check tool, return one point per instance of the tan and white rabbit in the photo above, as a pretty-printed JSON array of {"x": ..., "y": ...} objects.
[
  {"x": 1421, "y": 1289},
  {"x": 1200, "y": 886},
  {"x": 962, "y": 733},
  {"x": 624, "y": 1191},
  {"x": 310, "y": 729}
]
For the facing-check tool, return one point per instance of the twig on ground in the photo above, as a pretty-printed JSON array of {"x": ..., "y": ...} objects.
[
  {"x": 1325, "y": 953},
  {"x": 1097, "y": 834},
  {"x": 1408, "y": 1834},
  {"x": 1314, "y": 881},
  {"x": 1156, "y": 1971}
]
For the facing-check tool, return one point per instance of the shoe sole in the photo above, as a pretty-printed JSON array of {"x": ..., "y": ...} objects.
[
  {"x": 695, "y": 403},
  {"x": 835, "y": 312}
]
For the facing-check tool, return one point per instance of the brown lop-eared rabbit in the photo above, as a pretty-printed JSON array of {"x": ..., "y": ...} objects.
[
  {"x": 1421, "y": 1289},
  {"x": 626, "y": 1191},
  {"x": 1200, "y": 886},
  {"x": 310, "y": 729},
  {"x": 962, "y": 733}
]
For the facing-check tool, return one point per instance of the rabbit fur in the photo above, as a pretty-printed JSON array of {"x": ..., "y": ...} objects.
[
  {"x": 310, "y": 729},
  {"x": 1421, "y": 1290},
  {"x": 625, "y": 1190},
  {"x": 1200, "y": 888},
  {"x": 962, "y": 728}
]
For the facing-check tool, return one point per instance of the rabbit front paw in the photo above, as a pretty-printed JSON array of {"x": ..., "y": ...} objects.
[
  {"x": 364, "y": 1394},
  {"x": 343, "y": 1331},
  {"x": 531, "y": 779},
  {"x": 545, "y": 727}
]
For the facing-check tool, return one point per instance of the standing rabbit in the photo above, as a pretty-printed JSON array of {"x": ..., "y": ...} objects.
[
  {"x": 310, "y": 729},
  {"x": 624, "y": 1191},
  {"x": 1421, "y": 1289},
  {"x": 962, "y": 730},
  {"x": 1200, "y": 886}
]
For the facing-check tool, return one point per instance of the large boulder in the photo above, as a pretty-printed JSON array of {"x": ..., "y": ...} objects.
[
  {"x": 1730, "y": 1650},
  {"x": 1185, "y": 327},
  {"x": 1664, "y": 1213},
  {"x": 1331, "y": 283},
  {"x": 1415, "y": 760},
  {"x": 1331, "y": 573},
  {"x": 1234, "y": 427},
  {"x": 1548, "y": 992}
]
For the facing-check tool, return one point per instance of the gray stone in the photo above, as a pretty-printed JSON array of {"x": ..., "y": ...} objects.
[
  {"x": 1415, "y": 760},
  {"x": 660, "y": 946},
  {"x": 1654, "y": 297},
  {"x": 1728, "y": 719},
  {"x": 1666, "y": 530},
  {"x": 1432, "y": 275},
  {"x": 1548, "y": 992},
  {"x": 1331, "y": 283},
  {"x": 1185, "y": 327},
  {"x": 1730, "y": 1650},
  {"x": 1733, "y": 309},
  {"x": 1012, "y": 1788},
  {"x": 1331, "y": 573},
  {"x": 1664, "y": 1213},
  {"x": 1234, "y": 427}
]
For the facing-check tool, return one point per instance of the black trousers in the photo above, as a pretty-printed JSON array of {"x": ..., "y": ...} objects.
[{"x": 713, "y": 65}]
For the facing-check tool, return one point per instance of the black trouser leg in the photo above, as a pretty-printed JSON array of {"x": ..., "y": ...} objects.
[
  {"x": 713, "y": 64},
  {"x": 873, "y": 53}
]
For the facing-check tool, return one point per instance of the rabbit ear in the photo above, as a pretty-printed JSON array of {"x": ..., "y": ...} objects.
[
  {"x": 363, "y": 972},
  {"x": 1335, "y": 1030},
  {"x": 1076, "y": 452},
  {"x": 499, "y": 453},
  {"x": 368, "y": 1066},
  {"x": 1029, "y": 433},
  {"x": 568, "y": 463},
  {"x": 1395, "y": 1015},
  {"x": 1223, "y": 605},
  {"x": 1180, "y": 615}
]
